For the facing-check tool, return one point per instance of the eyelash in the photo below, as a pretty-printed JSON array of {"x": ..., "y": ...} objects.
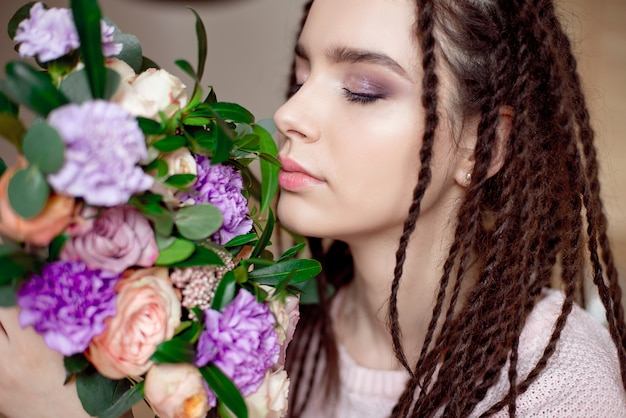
[{"x": 362, "y": 98}]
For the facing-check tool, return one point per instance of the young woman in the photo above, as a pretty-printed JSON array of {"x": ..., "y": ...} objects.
[{"x": 441, "y": 154}]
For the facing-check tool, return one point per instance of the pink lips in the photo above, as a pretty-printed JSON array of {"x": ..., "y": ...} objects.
[{"x": 294, "y": 177}]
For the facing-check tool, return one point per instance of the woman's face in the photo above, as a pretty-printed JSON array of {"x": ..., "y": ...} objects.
[{"x": 352, "y": 132}]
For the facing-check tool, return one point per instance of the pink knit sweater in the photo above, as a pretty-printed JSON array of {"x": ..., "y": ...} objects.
[{"x": 581, "y": 379}]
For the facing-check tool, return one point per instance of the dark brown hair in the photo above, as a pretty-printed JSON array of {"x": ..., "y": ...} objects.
[{"x": 538, "y": 222}]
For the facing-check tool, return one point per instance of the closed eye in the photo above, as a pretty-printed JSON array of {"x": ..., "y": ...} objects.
[{"x": 363, "y": 98}]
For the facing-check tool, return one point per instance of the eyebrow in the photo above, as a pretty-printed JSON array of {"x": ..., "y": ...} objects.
[{"x": 342, "y": 54}]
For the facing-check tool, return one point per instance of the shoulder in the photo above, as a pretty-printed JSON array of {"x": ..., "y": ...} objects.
[{"x": 582, "y": 378}]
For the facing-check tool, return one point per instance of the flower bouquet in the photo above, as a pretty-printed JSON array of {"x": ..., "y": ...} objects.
[{"x": 133, "y": 229}]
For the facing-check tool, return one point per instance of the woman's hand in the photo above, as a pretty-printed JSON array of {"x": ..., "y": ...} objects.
[{"x": 32, "y": 375}]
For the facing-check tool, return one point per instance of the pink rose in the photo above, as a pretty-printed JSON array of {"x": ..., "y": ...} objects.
[
  {"x": 41, "y": 229},
  {"x": 176, "y": 391},
  {"x": 148, "y": 313},
  {"x": 271, "y": 399},
  {"x": 119, "y": 238}
]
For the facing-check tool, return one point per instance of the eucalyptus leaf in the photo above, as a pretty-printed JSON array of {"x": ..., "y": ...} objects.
[
  {"x": 28, "y": 192},
  {"x": 225, "y": 291},
  {"x": 269, "y": 170},
  {"x": 225, "y": 390},
  {"x": 87, "y": 18},
  {"x": 31, "y": 88},
  {"x": 179, "y": 251},
  {"x": 44, "y": 148},
  {"x": 300, "y": 270},
  {"x": 198, "y": 222},
  {"x": 131, "y": 52},
  {"x": 76, "y": 85},
  {"x": 12, "y": 129}
]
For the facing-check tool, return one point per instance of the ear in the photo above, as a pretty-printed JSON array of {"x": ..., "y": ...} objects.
[{"x": 467, "y": 147}]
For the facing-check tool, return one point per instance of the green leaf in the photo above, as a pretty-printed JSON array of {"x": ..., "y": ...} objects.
[
  {"x": 241, "y": 240},
  {"x": 269, "y": 171},
  {"x": 180, "y": 180},
  {"x": 223, "y": 144},
  {"x": 292, "y": 252},
  {"x": 188, "y": 69},
  {"x": 16, "y": 265},
  {"x": 202, "y": 256},
  {"x": 191, "y": 332},
  {"x": 233, "y": 112},
  {"x": 265, "y": 236},
  {"x": 170, "y": 143},
  {"x": 44, "y": 147},
  {"x": 7, "y": 106},
  {"x": 31, "y": 88},
  {"x": 76, "y": 85},
  {"x": 225, "y": 291},
  {"x": 150, "y": 126},
  {"x": 21, "y": 14},
  {"x": 28, "y": 192},
  {"x": 3, "y": 166},
  {"x": 76, "y": 363},
  {"x": 7, "y": 294},
  {"x": 300, "y": 270},
  {"x": 175, "y": 350},
  {"x": 131, "y": 52},
  {"x": 179, "y": 251},
  {"x": 125, "y": 402},
  {"x": 87, "y": 18},
  {"x": 202, "y": 44},
  {"x": 197, "y": 222},
  {"x": 211, "y": 97},
  {"x": 225, "y": 390},
  {"x": 97, "y": 393},
  {"x": 55, "y": 247},
  {"x": 196, "y": 120},
  {"x": 12, "y": 129}
]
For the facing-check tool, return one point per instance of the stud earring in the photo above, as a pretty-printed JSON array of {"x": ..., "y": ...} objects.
[{"x": 468, "y": 178}]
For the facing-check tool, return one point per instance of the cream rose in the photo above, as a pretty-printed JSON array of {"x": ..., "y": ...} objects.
[
  {"x": 271, "y": 399},
  {"x": 150, "y": 92},
  {"x": 176, "y": 391},
  {"x": 148, "y": 313},
  {"x": 41, "y": 229},
  {"x": 287, "y": 315}
]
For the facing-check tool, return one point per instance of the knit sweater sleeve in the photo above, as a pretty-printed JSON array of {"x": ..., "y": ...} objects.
[{"x": 581, "y": 379}]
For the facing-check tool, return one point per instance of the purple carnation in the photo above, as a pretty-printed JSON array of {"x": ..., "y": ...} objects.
[
  {"x": 104, "y": 145},
  {"x": 240, "y": 341},
  {"x": 221, "y": 185},
  {"x": 68, "y": 304},
  {"x": 50, "y": 34}
]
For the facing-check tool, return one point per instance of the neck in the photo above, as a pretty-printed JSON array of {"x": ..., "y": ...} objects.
[{"x": 362, "y": 322}]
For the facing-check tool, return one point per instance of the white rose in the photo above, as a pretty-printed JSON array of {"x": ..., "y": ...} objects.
[
  {"x": 176, "y": 391},
  {"x": 271, "y": 399},
  {"x": 287, "y": 315},
  {"x": 151, "y": 92},
  {"x": 180, "y": 162}
]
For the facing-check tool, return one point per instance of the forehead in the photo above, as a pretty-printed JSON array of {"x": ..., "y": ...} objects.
[{"x": 385, "y": 26}]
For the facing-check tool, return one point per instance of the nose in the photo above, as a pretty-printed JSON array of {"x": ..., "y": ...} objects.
[{"x": 295, "y": 119}]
